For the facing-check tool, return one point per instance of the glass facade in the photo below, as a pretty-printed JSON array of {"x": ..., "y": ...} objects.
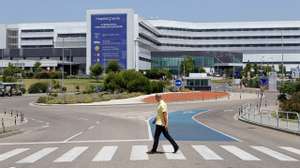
[{"x": 172, "y": 60}]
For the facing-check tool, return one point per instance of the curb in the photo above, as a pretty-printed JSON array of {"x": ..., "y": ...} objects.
[
  {"x": 10, "y": 133},
  {"x": 268, "y": 126}
]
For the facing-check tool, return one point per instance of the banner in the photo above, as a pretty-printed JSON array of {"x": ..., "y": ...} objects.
[{"x": 109, "y": 39}]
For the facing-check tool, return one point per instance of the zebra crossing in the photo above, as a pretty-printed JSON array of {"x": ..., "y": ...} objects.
[{"x": 139, "y": 153}]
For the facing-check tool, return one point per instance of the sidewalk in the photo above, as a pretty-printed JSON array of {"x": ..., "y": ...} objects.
[{"x": 267, "y": 118}]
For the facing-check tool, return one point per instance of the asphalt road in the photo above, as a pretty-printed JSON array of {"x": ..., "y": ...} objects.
[{"x": 118, "y": 136}]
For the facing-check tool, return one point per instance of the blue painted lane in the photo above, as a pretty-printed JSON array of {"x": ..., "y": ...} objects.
[{"x": 182, "y": 127}]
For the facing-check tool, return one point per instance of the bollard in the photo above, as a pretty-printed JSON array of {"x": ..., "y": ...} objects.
[
  {"x": 3, "y": 126},
  {"x": 11, "y": 113},
  {"x": 15, "y": 120},
  {"x": 22, "y": 117},
  {"x": 240, "y": 95}
]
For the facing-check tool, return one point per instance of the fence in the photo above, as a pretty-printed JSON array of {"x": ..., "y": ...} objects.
[
  {"x": 284, "y": 120},
  {"x": 10, "y": 119}
]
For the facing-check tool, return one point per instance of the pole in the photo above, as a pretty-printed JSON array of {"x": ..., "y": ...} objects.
[
  {"x": 70, "y": 61},
  {"x": 63, "y": 62},
  {"x": 2, "y": 57},
  {"x": 281, "y": 55}
]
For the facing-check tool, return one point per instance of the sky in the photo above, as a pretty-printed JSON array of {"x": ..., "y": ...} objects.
[{"x": 18, "y": 11}]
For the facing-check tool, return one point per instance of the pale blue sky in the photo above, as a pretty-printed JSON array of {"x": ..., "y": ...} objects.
[{"x": 14, "y": 11}]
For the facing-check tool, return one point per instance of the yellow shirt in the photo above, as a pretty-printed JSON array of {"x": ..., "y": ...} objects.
[{"x": 162, "y": 107}]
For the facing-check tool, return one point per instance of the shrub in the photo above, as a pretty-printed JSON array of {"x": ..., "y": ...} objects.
[
  {"x": 158, "y": 74},
  {"x": 156, "y": 87},
  {"x": 292, "y": 104},
  {"x": 55, "y": 74},
  {"x": 130, "y": 81},
  {"x": 113, "y": 66},
  {"x": 96, "y": 70},
  {"x": 39, "y": 87}
]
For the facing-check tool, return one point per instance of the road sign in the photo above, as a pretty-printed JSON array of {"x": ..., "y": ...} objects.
[
  {"x": 263, "y": 81},
  {"x": 178, "y": 83}
]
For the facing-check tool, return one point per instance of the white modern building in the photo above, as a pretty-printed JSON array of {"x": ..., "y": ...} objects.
[{"x": 139, "y": 43}]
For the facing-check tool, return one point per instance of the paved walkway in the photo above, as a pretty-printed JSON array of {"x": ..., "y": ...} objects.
[{"x": 267, "y": 118}]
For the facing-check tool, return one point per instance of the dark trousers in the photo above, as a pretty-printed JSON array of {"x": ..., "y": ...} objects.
[{"x": 158, "y": 130}]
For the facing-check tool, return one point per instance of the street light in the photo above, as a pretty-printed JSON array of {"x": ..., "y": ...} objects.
[
  {"x": 63, "y": 62},
  {"x": 281, "y": 55}
]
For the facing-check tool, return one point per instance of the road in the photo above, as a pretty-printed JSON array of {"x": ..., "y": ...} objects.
[{"x": 119, "y": 136}]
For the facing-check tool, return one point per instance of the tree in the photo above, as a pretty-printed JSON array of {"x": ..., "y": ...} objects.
[
  {"x": 187, "y": 66},
  {"x": 282, "y": 69},
  {"x": 10, "y": 73},
  {"x": 202, "y": 70},
  {"x": 96, "y": 70},
  {"x": 113, "y": 66},
  {"x": 37, "y": 67}
]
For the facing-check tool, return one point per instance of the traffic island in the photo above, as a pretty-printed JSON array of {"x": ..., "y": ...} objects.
[{"x": 188, "y": 96}]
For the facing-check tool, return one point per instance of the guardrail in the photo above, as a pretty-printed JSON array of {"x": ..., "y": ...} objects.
[
  {"x": 282, "y": 120},
  {"x": 9, "y": 119}
]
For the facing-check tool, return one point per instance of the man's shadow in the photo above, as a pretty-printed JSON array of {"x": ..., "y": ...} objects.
[{"x": 157, "y": 152}]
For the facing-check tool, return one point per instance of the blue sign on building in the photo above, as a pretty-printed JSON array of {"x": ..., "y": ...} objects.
[{"x": 109, "y": 39}]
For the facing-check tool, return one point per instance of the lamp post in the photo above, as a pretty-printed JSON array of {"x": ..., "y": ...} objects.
[
  {"x": 2, "y": 57},
  {"x": 63, "y": 64},
  {"x": 282, "y": 56}
]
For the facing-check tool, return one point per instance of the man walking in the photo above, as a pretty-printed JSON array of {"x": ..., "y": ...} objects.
[{"x": 161, "y": 122}]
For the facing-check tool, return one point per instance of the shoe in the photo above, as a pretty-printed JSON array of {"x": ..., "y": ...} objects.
[
  {"x": 151, "y": 152},
  {"x": 176, "y": 149}
]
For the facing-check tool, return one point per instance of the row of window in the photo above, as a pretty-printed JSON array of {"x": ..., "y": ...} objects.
[
  {"x": 231, "y": 45},
  {"x": 37, "y": 38},
  {"x": 72, "y": 35},
  {"x": 217, "y": 37},
  {"x": 36, "y": 30},
  {"x": 37, "y": 46},
  {"x": 228, "y": 29},
  {"x": 228, "y": 37},
  {"x": 217, "y": 45},
  {"x": 145, "y": 59}
]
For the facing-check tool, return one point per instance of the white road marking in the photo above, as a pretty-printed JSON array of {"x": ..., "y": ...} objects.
[
  {"x": 71, "y": 154},
  {"x": 72, "y": 137},
  {"x": 83, "y": 119},
  {"x": 105, "y": 154},
  {"x": 45, "y": 126},
  {"x": 97, "y": 122},
  {"x": 236, "y": 139},
  {"x": 74, "y": 142},
  {"x": 12, "y": 153},
  {"x": 291, "y": 149},
  {"x": 91, "y": 127},
  {"x": 206, "y": 153},
  {"x": 274, "y": 154},
  {"x": 173, "y": 156},
  {"x": 240, "y": 153},
  {"x": 38, "y": 155},
  {"x": 139, "y": 152}
]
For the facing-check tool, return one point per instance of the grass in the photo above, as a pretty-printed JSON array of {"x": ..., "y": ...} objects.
[
  {"x": 85, "y": 98},
  {"x": 70, "y": 84},
  {"x": 221, "y": 81}
]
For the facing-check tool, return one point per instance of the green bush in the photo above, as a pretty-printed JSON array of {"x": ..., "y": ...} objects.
[
  {"x": 252, "y": 83},
  {"x": 158, "y": 74},
  {"x": 127, "y": 81},
  {"x": 39, "y": 87},
  {"x": 291, "y": 104}
]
